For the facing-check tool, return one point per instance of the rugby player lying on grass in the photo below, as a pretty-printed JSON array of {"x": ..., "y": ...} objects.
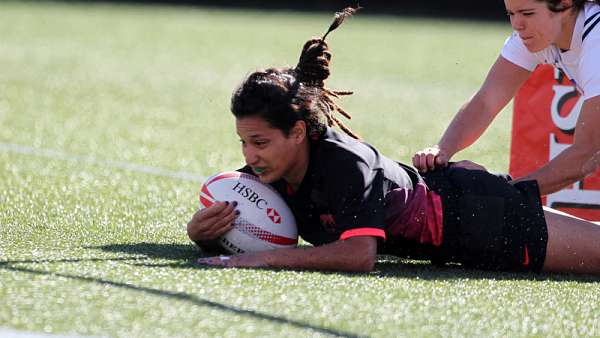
[{"x": 353, "y": 203}]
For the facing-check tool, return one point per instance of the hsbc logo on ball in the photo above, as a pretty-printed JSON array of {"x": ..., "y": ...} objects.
[
  {"x": 250, "y": 195},
  {"x": 274, "y": 215},
  {"x": 259, "y": 202}
]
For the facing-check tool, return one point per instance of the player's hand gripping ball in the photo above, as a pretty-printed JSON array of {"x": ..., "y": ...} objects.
[{"x": 265, "y": 221}]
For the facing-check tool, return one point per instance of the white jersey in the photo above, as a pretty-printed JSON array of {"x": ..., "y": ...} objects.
[{"x": 581, "y": 63}]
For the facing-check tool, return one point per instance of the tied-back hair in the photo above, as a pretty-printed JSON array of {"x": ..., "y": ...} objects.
[
  {"x": 283, "y": 96},
  {"x": 556, "y": 5}
]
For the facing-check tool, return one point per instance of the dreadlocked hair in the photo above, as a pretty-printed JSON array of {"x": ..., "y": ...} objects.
[{"x": 283, "y": 96}]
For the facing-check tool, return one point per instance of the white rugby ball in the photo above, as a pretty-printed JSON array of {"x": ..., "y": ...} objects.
[{"x": 265, "y": 221}]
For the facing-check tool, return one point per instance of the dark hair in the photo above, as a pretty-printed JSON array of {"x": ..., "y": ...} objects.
[
  {"x": 283, "y": 96},
  {"x": 555, "y": 5}
]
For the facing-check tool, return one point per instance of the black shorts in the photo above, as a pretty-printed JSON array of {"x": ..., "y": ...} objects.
[{"x": 489, "y": 223}]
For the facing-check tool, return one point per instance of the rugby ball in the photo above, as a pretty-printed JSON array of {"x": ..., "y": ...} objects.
[{"x": 265, "y": 221}]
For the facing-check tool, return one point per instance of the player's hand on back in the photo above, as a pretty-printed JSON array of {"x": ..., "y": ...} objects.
[
  {"x": 468, "y": 165},
  {"x": 210, "y": 223},
  {"x": 430, "y": 159}
]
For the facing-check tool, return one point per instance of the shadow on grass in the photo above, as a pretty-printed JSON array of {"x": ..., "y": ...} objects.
[
  {"x": 392, "y": 267},
  {"x": 387, "y": 266},
  {"x": 173, "y": 251},
  {"x": 182, "y": 297},
  {"x": 69, "y": 260},
  {"x": 137, "y": 254},
  {"x": 183, "y": 256}
]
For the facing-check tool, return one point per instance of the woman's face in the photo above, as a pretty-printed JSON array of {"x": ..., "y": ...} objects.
[
  {"x": 268, "y": 151},
  {"x": 537, "y": 26}
]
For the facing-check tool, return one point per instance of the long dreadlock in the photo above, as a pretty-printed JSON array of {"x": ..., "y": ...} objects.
[
  {"x": 313, "y": 70},
  {"x": 283, "y": 96}
]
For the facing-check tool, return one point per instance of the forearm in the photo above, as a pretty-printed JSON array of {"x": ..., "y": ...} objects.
[
  {"x": 337, "y": 256},
  {"x": 355, "y": 254},
  {"x": 477, "y": 114},
  {"x": 582, "y": 158},
  {"x": 568, "y": 167},
  {"x": 468, "y": 125}
]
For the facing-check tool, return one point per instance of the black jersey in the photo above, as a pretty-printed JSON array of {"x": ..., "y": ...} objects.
[{"x": 350, "y": 189}]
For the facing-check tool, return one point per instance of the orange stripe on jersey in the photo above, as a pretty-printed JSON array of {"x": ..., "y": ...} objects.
[{"x": 363, "y": 232}]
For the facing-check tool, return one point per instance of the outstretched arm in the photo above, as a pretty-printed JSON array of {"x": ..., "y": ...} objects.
[
  {"x": 474, "y": 117},
  {"x": 582, "y": 158},
  {"x": 355, "y": 254}
]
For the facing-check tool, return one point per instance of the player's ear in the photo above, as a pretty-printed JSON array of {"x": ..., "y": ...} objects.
[{"x": 298, "y": 131}]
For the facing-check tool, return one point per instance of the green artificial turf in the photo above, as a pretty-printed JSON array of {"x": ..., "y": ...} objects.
[{"x": 110, "y": 116}]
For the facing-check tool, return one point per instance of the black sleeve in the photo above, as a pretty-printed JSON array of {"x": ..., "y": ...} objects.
[
  {"x": 504, "y": 176},
  {"x": 356, "y": 196}
]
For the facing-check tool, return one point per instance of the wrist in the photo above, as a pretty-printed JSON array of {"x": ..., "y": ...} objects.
[
  {"x": 442, "y": 147},
  {"x": 450, "y": 144},
  {"x": 445, "y": 150}
]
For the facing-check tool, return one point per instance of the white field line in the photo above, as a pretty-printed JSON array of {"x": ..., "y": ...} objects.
[
  {"x": 131, "y": 167},
  {"x": 8, "y": 333}
]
